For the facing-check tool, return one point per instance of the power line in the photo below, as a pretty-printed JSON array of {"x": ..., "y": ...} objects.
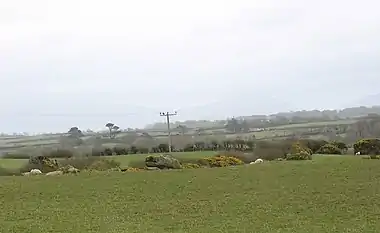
[
  {"x": 21, "y": 114},
  {"x": 168, "y": 115}
]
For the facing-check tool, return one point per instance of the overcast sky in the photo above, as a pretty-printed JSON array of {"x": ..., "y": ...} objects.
[{"x": 85, "y": 62}]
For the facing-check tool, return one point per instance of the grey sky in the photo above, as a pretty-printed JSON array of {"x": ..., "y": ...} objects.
[{"x": 95, "y": 61}]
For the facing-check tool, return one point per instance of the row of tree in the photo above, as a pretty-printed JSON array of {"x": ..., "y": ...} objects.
[
  {"x": 264, "y": 149},
  {"x": 113, "y": 129},
  {"x": 229, "y": 145},
  {"x": 365, "y": 127}
]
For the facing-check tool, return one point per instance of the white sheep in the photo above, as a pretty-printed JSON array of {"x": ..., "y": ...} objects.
[
  {"x": 32, "y": 172},
  {"x": 257, "y": 161},
  {"x": 357, "y": 153},
  {"x": 35, "y": 172}
]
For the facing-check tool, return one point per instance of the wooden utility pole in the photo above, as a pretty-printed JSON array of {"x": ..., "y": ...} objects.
[{"x": 168, "y": 115}]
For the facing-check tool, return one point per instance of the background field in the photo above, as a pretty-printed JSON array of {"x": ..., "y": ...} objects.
[
  {"x": 327, "y": 194},
  {"x": 34, "y": 144},
  {"x": 346, "y": 125},
  {"x": 124, "y": 160}
]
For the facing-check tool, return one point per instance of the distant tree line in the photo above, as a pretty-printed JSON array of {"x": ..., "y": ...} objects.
[{"x": 282, "y": 118}]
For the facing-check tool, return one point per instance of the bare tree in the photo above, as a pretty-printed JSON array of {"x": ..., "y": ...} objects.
[{"x": 113, "y": 129}]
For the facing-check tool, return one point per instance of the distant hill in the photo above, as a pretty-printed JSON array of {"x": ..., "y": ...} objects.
[
  {"x": 371, "y": 100},
  {"x": 312, "y": 115}
]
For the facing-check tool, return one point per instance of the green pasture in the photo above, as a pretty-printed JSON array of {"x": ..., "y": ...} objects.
[
  {"x": 328, "y": 194},
  {"x": 123, "y": 159}
]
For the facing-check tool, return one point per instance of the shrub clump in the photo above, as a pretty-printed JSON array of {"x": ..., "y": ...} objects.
[
  {"x": 341, "y": 145},
  {"x": 42, "y": 163},
  {"x": 329, "y": 149},
  {"x": 299, "y": 152},
  {"x": 223, "y": 161},
  {"x": 369, "y": 146}
]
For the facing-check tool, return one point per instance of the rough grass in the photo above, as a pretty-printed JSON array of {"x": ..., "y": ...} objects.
[
  {"x": 12, "y": 163},
  {"x": 328, "y": 194}
]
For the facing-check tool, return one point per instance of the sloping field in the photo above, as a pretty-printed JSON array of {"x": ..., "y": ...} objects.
[{"x": 328, "y": 194}]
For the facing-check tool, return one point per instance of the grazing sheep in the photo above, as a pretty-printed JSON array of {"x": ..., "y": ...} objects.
[
  {"x": 259, "y": 161},
  {"x": 32, "y": 172},
  {"x": 35, "y": 171},
  {"x": 54, "y": 173},
  {"x": 357, "y": 153}
]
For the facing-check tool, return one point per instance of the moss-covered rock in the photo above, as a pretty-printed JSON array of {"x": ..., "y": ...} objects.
[
  {"x": 69, "y": 169},
  {"x": 163, "y": 161}
]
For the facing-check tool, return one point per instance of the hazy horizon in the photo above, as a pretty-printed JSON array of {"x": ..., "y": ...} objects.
[{"x": 84, "y": 63}]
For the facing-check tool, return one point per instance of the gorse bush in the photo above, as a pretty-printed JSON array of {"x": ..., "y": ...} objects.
[
  {"x": 303, "y": 155},
  {"x": 329, "y": 149},
  {"x": 244, "y": 157},
  {"x": 223, "y": 161},
  {"x": 299, "y": 152},
  {"x": 340, "y": 145},
  {"x": 369, "y": 146}
]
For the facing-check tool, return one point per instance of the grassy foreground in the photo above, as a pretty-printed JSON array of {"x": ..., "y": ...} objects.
[{"x": 328, "y": 194}]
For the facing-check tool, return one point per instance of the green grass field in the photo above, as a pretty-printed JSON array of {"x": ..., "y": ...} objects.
[
  {"x": 328, "y": 194},
  {"x": 124, "y": 160}
]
